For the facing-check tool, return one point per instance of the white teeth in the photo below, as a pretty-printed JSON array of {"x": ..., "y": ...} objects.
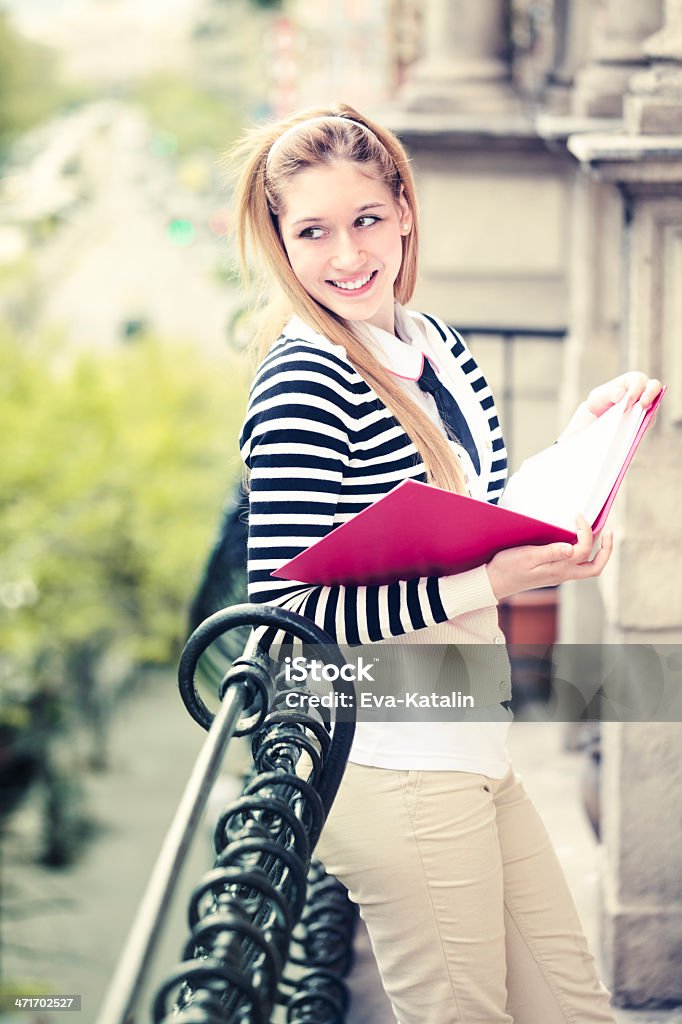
[{"x": 351, "y": 286}]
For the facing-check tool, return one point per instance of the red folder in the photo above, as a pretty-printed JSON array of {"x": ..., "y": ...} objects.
[{"x": 419, "y": 530}]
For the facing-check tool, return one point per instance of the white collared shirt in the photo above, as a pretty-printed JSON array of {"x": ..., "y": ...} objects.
[
  {"x": 477, "y": 742},
  {"x": 403, "y": 355}
]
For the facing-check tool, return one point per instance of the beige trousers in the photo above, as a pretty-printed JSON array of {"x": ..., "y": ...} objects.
[{"x": 466, "y": 905}]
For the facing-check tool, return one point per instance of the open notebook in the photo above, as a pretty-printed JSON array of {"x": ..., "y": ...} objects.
[{"x": 419, "y": 530}]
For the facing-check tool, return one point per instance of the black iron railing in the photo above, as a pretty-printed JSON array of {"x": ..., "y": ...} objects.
[
  {"x": 269, "y": 931},
  {"x": 508, "y": 390}
]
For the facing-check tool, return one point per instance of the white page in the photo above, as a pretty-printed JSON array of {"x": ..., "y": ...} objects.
[{"x": 575, "y": 474}]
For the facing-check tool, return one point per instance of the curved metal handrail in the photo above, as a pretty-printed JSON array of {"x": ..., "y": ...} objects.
[{"x": 244, "y": 911}]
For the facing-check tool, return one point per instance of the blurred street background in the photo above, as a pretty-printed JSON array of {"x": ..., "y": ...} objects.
[{"x": 546, "y": 139}]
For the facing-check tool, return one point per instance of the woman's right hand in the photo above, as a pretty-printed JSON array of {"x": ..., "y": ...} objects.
[{"x": 530, "y": 566}]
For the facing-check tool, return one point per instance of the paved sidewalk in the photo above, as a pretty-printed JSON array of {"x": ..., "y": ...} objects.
[{"x": 76, "y": 919}]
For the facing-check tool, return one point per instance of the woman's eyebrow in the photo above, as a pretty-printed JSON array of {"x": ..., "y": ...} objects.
[{"x": 360, "y": 209}]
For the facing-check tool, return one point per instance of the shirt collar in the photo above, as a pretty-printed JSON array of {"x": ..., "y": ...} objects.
[
  {"x": 296, "y": 327},
  {"x": 403, "y": 356},
  {"x": 401, "y": 353}
]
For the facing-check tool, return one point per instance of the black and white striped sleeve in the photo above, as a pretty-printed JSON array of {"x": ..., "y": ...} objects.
[{"x": 296, "y": 442}]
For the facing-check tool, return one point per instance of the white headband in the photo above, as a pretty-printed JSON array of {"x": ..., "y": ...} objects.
[{"x": 314, "y": 120}]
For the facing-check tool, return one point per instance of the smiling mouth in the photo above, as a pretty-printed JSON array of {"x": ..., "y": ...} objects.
[{"x": 358, "y": 286}]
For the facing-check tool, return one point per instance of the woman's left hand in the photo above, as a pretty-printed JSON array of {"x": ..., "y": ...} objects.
[{"x": 637, "y": 386}]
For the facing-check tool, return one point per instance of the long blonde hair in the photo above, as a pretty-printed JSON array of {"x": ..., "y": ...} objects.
[{"x": 264, "y": 162}]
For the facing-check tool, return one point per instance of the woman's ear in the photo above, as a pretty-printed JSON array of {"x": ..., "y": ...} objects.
[{"x": 404, "y": 214}]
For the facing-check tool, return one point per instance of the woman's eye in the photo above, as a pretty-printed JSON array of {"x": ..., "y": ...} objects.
[
  {"x": 367, "y": 220},
  {"x": 311, "y": 233}
]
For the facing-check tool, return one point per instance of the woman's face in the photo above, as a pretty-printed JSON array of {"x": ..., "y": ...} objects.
[{"x": 342, "y": 230}]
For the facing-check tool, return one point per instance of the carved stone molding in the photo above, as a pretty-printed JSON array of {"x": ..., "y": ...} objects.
[
  {"x": 654, "y": 103},
  {"x": 466, "y": 64},
  {"x": 617, "y": 51}
]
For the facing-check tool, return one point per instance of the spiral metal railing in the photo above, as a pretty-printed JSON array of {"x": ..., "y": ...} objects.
[{"x": 270, "y": 933}]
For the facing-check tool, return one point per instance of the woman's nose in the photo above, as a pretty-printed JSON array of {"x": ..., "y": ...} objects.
[{"x": 348, "y": 253}]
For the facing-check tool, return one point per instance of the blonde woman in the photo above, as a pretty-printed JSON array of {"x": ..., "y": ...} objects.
[{"x": 432, "y": 832}]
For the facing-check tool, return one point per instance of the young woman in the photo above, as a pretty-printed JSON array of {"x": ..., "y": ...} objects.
[{"x": 432, "y": 832}]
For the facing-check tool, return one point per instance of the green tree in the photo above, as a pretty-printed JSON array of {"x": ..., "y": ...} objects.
[
  {"x": 115, "y": 466},
  {"x": 189, "y": 116},
  {"x": 30, "y": 86}
]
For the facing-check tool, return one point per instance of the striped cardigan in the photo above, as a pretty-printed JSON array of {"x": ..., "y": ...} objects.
[{"x": 320, "y": 447}]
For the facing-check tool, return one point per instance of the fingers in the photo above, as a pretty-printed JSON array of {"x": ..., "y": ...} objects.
[
  {"x": 526, "y": 567},
  {"x": 585, "y": 542},
  {"x": 639, "y": 388},
  {"x": 605, "y": 548},
  {"x": 652, "y": 388},
  {"x": 605, "y": 396},
  {"x": 561, "y": 551},
  {"x": 635, "y": 385},
  {"x": 547, "y": 553},
  {"x": 576, "y": 557},
  {"x": 617, "y": 392},
  {"x": 595, "y": 567}
]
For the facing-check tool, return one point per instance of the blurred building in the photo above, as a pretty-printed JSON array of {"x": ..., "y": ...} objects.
[
  {"x": 547, "y": 143},
  {"x": 232, "y": 42},
  {"x": 342, "y": 51},
  {"x": 109, "y": 42},
  {"x": 272, "y": 59}
]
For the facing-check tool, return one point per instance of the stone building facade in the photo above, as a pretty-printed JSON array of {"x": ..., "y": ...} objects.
[{"x": 553, "y": 236}]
